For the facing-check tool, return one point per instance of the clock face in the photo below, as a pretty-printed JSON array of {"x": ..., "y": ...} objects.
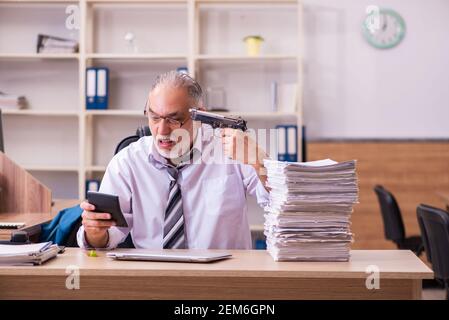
[{"x": 383, "y": 29}]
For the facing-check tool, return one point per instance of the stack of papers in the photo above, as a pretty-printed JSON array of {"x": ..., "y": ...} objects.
[
  {"x": 24, "y": 254},
  {"x": 308, "y": 216},
  {"x": 51, "y": 44}
]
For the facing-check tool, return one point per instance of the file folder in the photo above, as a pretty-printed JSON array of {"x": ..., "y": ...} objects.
[
  {"x": 102, "y": 88},
  {"x": 281, "y": 143},
  {"x": 292, "y": 143},
  {"x": 91, "y": 87},
  {"x": 287, "y": 145},
  {"x": 97, "y": 88}
]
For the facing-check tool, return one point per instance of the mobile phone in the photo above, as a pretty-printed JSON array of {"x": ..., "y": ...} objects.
[{"x": 108, "y": 203}]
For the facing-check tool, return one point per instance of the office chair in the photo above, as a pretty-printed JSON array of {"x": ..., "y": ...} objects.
[
  {"x": 128, "y": 243},
  {"x": 424, "y": 236},
  {"x": 393, "y": 225},
  {"x": 140, "y": 132},
  {"x": 435, "y": 229}
]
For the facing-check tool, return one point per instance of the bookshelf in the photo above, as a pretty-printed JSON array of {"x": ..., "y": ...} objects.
[{"x": 64, "y": 144}]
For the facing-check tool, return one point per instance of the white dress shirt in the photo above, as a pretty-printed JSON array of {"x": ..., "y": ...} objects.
[{"x": 213, "y": 196}]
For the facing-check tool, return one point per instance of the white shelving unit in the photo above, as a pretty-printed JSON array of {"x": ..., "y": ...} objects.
[
  {"x": 60, "y": 141},
  {"x": 16, "y": 56}
]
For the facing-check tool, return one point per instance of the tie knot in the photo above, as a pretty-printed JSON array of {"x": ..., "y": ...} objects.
[{"x": 173, "y": 172}]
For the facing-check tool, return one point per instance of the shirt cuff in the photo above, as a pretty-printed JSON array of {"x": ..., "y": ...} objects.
[
  {"x": 262, "y": 195},
  {"x": 114, "y": 238}
]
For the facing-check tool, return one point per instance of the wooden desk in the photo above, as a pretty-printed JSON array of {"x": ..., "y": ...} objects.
[
  {"x": 249, "y": 274},
  {"x": 33, "y": 222},
  {"x": 445, "y": 197}
]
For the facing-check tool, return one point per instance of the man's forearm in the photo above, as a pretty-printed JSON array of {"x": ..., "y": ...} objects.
[
  {"x": 261, "y": 173},
  {"x": 259, "y": 166}
]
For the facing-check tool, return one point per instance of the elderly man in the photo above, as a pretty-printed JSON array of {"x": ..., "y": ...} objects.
[{"x": 171, "y": 194}]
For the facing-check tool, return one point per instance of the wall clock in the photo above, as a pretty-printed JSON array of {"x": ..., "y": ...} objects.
[{"x": 384, "y": 28}]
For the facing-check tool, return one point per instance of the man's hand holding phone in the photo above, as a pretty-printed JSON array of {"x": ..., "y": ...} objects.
[{"x": 96, "y": 225}]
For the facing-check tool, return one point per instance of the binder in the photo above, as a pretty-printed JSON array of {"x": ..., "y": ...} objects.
[
  {"x": 281, "y": 143},
  {"x": 91, "y": 87},
  {"x": 97, "y": 88},
  {"x": 102, "y": 88},
  {"x": 287, "y": 144},
  {"x": 292, "y": 143}
]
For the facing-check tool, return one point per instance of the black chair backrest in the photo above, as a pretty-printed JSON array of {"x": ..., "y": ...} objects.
[
  {"x": 125, "y": 142},
  {"x": 424, "y": 236},
  {"x": 391, "y": 215},
  {"x": 140, "y": 132},
  {"x": 436, "y": 225}
]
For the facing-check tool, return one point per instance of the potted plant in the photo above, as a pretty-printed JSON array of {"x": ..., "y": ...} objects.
[{"x": 253, "y": 43}]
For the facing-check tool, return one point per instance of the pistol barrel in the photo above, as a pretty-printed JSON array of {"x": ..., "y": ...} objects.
[{"x": 217, "y": 120}]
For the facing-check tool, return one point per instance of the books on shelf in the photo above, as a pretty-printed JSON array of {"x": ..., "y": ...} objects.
[
  {"x": 287, "y": 142},
  {"x": 12, "y": 102},
  {"x": 52, "y": 44},
  {"x": 24, "y": 254},
  {"x": 308, "y": 217}
]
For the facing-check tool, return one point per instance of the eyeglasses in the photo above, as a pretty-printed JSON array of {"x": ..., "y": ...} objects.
[{"x": 173, "y": 123}]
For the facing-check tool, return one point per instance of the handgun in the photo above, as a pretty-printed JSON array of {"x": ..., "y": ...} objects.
[{"x": 217, "y": 120}]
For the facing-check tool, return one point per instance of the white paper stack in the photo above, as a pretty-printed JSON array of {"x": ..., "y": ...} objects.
[
  {"x": 24, "y": 254},
  {"x": 308, "y": 217},
  {"x": 51, "y": 44}
]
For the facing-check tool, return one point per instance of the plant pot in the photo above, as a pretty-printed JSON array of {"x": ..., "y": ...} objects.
[{"x": 253, "y": 44}]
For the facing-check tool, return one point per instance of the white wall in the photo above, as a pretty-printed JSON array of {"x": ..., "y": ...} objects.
[{"x": 353, "y": 90}]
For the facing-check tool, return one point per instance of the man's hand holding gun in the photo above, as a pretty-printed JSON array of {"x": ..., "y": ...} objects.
[{"x": 237, "y": 143}]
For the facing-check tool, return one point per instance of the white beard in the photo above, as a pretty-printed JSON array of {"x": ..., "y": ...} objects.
[{"x": 179, "y": 148}]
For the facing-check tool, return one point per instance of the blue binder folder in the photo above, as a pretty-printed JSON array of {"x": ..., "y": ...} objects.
[
  {"x": 287, "y": 143},
  {"x": 97, "y": 88}
]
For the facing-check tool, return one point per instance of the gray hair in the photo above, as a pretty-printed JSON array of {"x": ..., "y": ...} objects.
[{"x": 178, "y": 79}]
